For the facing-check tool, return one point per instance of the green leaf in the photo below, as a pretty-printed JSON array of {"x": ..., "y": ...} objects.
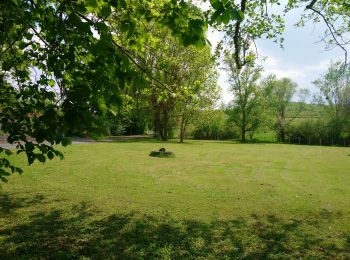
[
  {"x": 59, "y": 154},
  {"x": 29, "y": 147},
  {"x": 105, "y": 11},
  {"x": 41, "y": 158},
  {"x": 7, "y": 65},
  {"x": 52, "y": 83},
  {"x": 225, "y": 17},
  {"x": 8, "y": 152},
  {"x": 18, "y": 170},
  {"x": 66, "y": 141},
  {"x": 31, "y": 158},
  {"x": 216, "y": 4},
  {"x": 84, "y": 27},
  {"x": 4, "y": 173},
  {"x": 237, "y": 15},
  {"x": 91, "y": 4},
  {"x": 3, "y": 179},
  {"x": 50, "y": 155}
]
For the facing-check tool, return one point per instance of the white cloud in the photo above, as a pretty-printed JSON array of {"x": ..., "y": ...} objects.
[
  {"x": 224, "y": 85},
  {"x": 285, "y": 73},
  {"x": 297, "y": 72},
  {"x": 271, "y": 61}
]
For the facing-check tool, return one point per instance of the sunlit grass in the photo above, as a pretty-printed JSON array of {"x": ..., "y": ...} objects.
[{"x": 214, "y": 199}]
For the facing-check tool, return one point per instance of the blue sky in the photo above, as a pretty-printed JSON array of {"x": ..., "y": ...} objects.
[{"x": 303, "y": 58}]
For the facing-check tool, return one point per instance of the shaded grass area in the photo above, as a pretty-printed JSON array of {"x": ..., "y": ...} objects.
[
  {"x": 77, "y": 232},
  {"x": 214, "y": 200}
]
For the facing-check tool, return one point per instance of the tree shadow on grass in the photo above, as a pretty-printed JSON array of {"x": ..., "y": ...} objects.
[
  {"x": 9, "y": 203},
  {"x": 80, "y": 231}
]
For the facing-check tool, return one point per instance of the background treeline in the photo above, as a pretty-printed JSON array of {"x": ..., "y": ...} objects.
[
  {"x": 263, "y": 109},
  {"x": 102, "y": 69}
]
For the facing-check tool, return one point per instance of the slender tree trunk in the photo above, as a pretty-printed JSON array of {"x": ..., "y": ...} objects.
[
  {"x": 182, "y": 130},
  {"x": 243, "y": 133},
  {"x": 243, "y": 128},
  {"x": 138, "y": 117},
  {"x": 137, "y": 108},
  {"x": 165, "y": 125},
  {"x": 161, "y": 134},
  {"x": 157, "y": 123},
  {"x": 282, "y": 135},
  {"x": 283, "y": 122}
]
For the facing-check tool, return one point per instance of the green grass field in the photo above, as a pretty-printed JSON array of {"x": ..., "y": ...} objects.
[{"x": 213, "y": 200}]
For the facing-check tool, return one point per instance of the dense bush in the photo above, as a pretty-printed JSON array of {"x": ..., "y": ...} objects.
[
  {"x": 316, "y": 131},
  {"x": 213, "y": 125},
  {"x": 124, "y": 125},
  {"x": 117, "y": 126}
]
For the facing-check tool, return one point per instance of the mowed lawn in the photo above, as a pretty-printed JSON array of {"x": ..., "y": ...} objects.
[{"x": 213, "y": 200}]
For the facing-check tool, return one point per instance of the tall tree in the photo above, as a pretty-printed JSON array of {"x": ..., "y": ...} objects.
[
  {"x": 185, "y": 71},
  {"x": 334, "y": 87},
  {"x": 247, "y": 103},
  {"x": 281, "y": 92},
  {"x": 202, "y": 93}
]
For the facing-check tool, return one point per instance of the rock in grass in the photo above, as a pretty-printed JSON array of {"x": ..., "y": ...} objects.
[{"x": 162, "y": 153}]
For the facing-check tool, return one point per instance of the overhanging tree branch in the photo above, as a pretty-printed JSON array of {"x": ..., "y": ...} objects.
[
  {"x": 331, "y": 29},
  {"x": 129, "y": 56},
  {"x": 237, "y": 38}
]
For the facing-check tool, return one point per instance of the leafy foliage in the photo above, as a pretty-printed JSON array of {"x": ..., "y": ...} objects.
[
  {"x": 243, "y": 22},
  {"x": 334, "y": 14},
  {"x": 281, "y": 92},
  {"x": 248, "y": 106},
  {"x": 187, "y": 75},
  {"x": 214, "y": 125},
  {"x": 63, "y": 66},
  {"x": 334, "y": 87}
]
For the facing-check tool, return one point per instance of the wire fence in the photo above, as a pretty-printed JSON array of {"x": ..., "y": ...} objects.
[{"x": 308, "y": 140}]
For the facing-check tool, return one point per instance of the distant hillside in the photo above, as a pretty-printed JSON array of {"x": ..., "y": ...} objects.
[{"x": 304, "y": 110}]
